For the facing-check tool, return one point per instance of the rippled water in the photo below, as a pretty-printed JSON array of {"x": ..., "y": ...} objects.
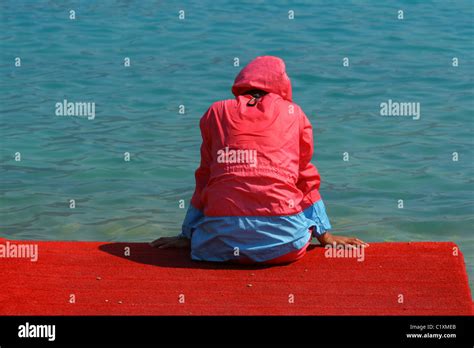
[{"x": 191, "y": 62}]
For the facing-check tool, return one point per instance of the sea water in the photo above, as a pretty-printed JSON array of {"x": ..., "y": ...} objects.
[{"x": 388, "y": 87}]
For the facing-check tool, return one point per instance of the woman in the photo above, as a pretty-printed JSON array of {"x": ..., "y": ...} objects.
[{"x": 257, "y": 193}]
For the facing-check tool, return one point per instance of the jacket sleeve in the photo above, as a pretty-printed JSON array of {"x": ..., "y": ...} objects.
[
  {"x": 308, "y": 178},
  {"x": 195, "y": 210},
  {"x": 309, "y": 181}
]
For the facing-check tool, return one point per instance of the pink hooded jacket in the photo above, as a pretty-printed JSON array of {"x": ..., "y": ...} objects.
[{"x": 255, "y": 160}]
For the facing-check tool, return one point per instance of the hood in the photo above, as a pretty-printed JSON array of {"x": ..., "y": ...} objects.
[{"x": 267, "y": 73}]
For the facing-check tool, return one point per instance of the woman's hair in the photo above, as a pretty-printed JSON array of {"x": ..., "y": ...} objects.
[{"x": 256, "y": 93}]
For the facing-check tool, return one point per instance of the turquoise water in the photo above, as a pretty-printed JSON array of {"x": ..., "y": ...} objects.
[{"x": 190, "y": 62}]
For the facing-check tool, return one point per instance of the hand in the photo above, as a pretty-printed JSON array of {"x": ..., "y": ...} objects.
[
  {"x": 171, "y": 242},
  {"x": 328, "y": 238}
]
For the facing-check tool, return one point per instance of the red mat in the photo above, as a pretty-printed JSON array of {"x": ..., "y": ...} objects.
[{"x": 394, "y": 279}]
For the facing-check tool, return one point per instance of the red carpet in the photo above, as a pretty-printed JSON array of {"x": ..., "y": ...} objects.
[{"x": 149, "y": 282}]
